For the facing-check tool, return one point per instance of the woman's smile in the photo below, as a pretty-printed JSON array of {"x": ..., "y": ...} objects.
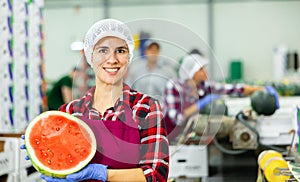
[{"x": 111, "y": 70}]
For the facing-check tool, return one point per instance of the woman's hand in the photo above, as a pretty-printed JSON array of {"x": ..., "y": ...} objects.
[
  {"x": 50, "y": 179},
  {"x": 91, "y": 171}
]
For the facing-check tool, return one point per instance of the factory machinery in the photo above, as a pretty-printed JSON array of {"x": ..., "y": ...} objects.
[{"x": 235, "y": 132}]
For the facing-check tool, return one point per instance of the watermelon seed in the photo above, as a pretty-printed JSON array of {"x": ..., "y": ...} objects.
[
  {"x": 57, "y": 129},
  {"x": 44, "y": 153},
  {"x": 77, "y": 148},
  {"x": 51, "y": 154},
  {"x": 37, "y": 141},
  {"x": 59, "y": 121},
  {"x": 49, "y": 162},
  {"x": 43, "y": 136}
]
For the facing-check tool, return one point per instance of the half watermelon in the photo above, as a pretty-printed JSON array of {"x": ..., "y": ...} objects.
[{"x": 59, "y": 144}]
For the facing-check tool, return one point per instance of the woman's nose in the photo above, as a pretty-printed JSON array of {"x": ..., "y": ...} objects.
[{"x": 112, "y": 58}]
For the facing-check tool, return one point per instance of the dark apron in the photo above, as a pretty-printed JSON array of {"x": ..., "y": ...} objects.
[{"x": 118, "y": 142}]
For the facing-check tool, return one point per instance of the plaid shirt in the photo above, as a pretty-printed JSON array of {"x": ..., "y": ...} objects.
[
  {"x": 147, "y": 113},
  {"x": 178, "y": 95}
]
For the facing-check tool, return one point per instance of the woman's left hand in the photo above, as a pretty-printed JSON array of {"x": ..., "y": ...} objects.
[
  {"x": 91, "y": 171},
  {"x": 51, "y": 179}
]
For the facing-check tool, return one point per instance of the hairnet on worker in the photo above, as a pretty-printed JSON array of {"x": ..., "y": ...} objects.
[
  {"x": 105, "y": 28},
  {"x": 190, "y": 65}
]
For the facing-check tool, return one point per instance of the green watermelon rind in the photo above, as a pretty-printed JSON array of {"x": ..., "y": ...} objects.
[
  {"x": 58, "y": 173},
  {"x": 263, "y": 103},
  {"x": 216, "y": 107}
]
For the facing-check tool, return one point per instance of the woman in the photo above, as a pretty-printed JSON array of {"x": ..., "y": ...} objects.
[
  {"x": 193, "y": 91},
  {"x": 129, "y": 126}
]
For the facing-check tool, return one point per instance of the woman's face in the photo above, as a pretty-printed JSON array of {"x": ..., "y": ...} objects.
[
  {"x": 110, "y": 60},
  {"x": 200, "y": 75}
]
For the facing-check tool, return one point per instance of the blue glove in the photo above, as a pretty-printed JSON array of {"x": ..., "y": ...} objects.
[
  {"x": 23, "y": 147},
  {"x": 51, "y": 179},
  {"x": 91, "y": 171},
  {"x": 273, "y": 92},
  {"x": 206, "y": 100}
]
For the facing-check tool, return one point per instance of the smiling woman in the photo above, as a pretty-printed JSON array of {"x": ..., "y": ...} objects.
[
  {"x": 110, "y": 60},
  {"x": 128, "y": 125}
]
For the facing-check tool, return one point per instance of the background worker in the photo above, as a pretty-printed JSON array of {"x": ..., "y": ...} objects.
[
  {"x": 149, "y": 74},
  {"x": 61, "y": 92},
  {"x": 193, "y": 91}
]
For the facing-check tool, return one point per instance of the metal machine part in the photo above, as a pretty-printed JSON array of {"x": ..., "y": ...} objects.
[
  {"x": 214, "y": 125},
  {"x": 242, "y": 137}
]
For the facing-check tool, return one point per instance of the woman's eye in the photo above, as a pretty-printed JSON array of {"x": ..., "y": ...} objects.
[
  {"x": 121, "y": 51},
  {"x": 102, "y": 50}
]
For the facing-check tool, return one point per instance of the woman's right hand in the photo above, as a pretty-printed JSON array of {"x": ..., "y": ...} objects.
[{"x": 91, "y": 171}]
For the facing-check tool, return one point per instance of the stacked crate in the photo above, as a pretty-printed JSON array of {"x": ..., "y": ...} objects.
[
  {"x": 6, "y": 66},
  {"x": 13, "y": 165},
  {"x": 22, "y": 82}
]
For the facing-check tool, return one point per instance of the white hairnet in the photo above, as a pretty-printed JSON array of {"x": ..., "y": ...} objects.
[
  {"x": 105, "y": 28},
  {"x": 190, "y": 65}
]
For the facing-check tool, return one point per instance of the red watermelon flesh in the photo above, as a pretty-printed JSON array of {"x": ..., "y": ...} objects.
[{"x": 59, "y": 143}]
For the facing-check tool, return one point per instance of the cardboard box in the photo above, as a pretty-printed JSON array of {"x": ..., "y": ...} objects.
[
  {"x": 12, "y": 159},
  {"x": 23, "y": 162},
  {"x": 6, "y": 157},
  {"x": 32, "y": 177},
  {"x": 188, "y": 161}
]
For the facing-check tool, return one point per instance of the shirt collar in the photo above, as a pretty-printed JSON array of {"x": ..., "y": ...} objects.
[{"x": 124, "y": 99}]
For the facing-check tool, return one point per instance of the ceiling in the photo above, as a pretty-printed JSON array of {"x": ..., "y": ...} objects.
[{"x": 93, "y": 3}]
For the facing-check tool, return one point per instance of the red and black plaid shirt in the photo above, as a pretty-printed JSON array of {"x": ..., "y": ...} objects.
[{"x": 147, "y": 113}]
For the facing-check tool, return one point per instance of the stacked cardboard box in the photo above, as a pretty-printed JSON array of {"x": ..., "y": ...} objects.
[{"x": 22, "y": 82}]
